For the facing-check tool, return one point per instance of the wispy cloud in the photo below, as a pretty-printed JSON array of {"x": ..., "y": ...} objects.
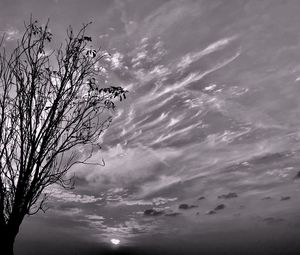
[
  {"x": 62, "y": 195},
  {"x": 127, "y": 167},
  {"x": 190, "y": 58},
  {"x": 11, "y": 34}
]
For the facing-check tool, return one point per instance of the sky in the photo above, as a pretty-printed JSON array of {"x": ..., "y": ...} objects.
[{"x": 203, "y": 156}]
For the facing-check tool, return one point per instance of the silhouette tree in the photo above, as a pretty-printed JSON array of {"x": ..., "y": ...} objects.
[{"x": 50, "y": 103}]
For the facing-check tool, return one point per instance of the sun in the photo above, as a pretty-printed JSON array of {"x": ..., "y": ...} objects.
[{"x": 115, "y": 241}]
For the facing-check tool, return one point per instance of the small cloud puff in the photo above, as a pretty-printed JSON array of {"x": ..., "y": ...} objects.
[{"x": 116, "y": 60}]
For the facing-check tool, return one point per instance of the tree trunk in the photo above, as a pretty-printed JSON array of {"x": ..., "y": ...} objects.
[
  {"x": 7, "y": 248},
  {"x": 7, "y": 239}
]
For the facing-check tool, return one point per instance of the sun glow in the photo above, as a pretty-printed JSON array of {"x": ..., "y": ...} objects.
[{"x": 115, "y": 241}]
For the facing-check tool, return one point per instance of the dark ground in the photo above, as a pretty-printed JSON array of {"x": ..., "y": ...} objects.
[{"x": 269, "y": 241}]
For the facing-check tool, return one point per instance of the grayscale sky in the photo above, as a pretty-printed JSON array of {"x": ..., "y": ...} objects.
[{"x": 213, "y": 109}]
